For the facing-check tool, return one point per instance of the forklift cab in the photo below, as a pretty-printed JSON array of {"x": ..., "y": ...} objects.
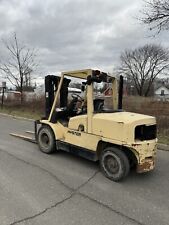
[{"x": 62, "y": 106}]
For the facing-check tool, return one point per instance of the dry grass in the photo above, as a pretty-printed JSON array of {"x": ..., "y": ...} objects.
[
  {"x": 152, "y": 107},
  {"x": 33, "y": 109}
]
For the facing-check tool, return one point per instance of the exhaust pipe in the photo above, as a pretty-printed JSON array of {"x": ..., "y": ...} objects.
[{"x": 120, "y": 96}]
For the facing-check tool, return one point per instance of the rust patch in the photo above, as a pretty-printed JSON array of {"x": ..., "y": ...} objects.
[{"x": 146, "y": 166}]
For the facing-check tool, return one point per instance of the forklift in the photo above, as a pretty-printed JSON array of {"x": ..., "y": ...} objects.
[{"x": 94, "y": 126}]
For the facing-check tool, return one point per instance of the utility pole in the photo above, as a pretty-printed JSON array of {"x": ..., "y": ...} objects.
[{"x": 3, "y": 91}]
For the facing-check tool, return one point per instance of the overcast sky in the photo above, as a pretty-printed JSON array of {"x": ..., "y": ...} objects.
[{"x": 75, "y": 34}]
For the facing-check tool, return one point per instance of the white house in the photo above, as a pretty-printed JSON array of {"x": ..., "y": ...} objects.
[
  {"x": 40, "y": 90},
  {"x": 162, "y": 92}
]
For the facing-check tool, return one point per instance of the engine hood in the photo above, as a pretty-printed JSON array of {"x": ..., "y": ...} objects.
[
  {"x": 119, "y": 125},
  {"x": 124, "y": 117}
]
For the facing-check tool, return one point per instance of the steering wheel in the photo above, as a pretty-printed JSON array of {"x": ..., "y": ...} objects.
[{"x": 78, "y": 97}]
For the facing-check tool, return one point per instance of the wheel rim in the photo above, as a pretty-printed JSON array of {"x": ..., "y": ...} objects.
[
  {"x": 111, "y": 164},
  {"x": 45, "y": 139}
]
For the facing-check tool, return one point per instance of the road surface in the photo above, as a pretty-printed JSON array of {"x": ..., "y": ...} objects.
[{"x": 62, "y": 189}]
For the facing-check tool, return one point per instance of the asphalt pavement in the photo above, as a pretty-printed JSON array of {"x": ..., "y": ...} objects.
[{"x": 62, "y": 189}]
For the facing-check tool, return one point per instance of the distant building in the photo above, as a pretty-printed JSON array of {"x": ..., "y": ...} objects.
[
  {"x": 13, "y": 95},
  {"x": 162, "y": 92},
  {"x": 40, "y": 90}
]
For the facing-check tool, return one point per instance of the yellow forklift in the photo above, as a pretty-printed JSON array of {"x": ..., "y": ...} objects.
[{"x": 94, "y": 126}]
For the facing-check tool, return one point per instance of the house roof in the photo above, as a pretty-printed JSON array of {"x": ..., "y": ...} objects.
[
  {"x": 162, "y": 86},
  {"x": 161, "y": 82}
]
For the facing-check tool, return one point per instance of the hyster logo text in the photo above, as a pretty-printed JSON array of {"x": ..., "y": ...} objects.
[{"x": 74, "y": 133}]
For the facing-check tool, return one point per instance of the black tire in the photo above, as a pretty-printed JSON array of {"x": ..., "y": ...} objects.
[
  {"x": 114, "y": 163},
  {"x": 46, "y": 140}
]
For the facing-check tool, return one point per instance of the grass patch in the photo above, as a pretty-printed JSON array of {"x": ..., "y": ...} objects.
[
  {"x": 163, "y": 139},
  {"x": 21, "y": 112}
]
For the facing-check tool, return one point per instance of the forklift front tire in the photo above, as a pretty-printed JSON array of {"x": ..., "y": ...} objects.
[
  {"x": 46, "y": 140},
  {"x": 114, "y": 163}
]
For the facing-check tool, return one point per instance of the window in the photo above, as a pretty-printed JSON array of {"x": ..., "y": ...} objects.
[
  {"x": 103, "y": 96},
  {"x": 162, "y": 93}
]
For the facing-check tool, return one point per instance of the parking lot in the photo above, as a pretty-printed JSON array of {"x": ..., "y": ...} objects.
[{"x": 67, "y": 190}]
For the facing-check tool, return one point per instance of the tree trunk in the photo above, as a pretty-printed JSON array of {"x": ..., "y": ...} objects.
[{"x": 21, "y": 90}]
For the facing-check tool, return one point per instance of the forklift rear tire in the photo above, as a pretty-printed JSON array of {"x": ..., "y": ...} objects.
[
  {"x": 114, "y": 163},
  {"x": 46, "y": 140}
]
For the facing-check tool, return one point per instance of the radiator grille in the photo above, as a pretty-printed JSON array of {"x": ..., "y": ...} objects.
[{"x": 143, "y": 132}]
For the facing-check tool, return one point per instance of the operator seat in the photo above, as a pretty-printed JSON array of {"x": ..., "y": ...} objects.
[
  {"x": 98, "y": 105},
  {"x": 71, "y": 108}
]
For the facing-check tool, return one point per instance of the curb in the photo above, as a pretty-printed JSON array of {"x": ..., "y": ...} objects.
[
  {"x": 16, "y": 117},
  {"x": 163, "y": 147}
]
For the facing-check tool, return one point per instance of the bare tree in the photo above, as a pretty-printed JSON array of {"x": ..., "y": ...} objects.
[
  {"x": 156, "y": 14},
  {"x": 19, "y": 65},
  {"x": 142, "y": 65}
]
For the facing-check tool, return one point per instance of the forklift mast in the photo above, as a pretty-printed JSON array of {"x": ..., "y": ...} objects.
[{"x": 51, "y": 85}]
